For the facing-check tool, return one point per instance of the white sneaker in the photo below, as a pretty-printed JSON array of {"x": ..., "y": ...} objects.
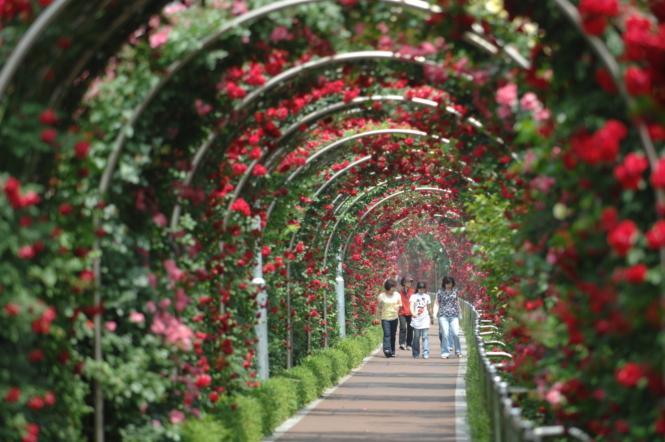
[
  {"x": 425, "y": 356},
  {"x": 445, "y": 355}
]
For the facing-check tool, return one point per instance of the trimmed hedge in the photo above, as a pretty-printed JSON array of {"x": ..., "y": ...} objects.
[
  {"x": 354, "y": 350},
  {"x": 251, "y": 416},
  {"x": 322, "y": 367},
  {"x": 279, "y": 400},
  {"x": 306, "y": 385},
  {"x": 243, "y": 417},
  {"x": 206, "y": 429},
  {"x": 339, "y": 362}
]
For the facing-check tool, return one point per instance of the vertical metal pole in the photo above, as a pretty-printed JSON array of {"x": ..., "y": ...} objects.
[
  {"x": 339, "y": 288},
  {"x": 98, "y": 393},
  {"x": 289, "y": 324},
  {"x": 261, "y": 327}
]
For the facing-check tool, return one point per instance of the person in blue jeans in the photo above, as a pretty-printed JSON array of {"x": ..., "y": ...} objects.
[
  {"x": 388, "y": 305},
  {"x": 449, "y": 312},
  {"x": 421, "y": 311}
]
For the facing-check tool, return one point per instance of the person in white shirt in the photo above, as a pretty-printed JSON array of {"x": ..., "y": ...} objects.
[{"x": 422, "y": 317}]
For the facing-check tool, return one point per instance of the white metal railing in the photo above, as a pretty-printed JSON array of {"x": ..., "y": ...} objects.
[{"x": 506, "y": 420}]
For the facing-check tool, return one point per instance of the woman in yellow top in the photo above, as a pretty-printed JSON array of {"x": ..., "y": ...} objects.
[{"x": 389, "y": 303}]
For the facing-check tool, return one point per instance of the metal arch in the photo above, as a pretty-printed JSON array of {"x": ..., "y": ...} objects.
[
  {"x": 297, "y": 70},
  {"x": 91, "y": 52},
  {"x": 322, "y": 113},
  {"x": 207, "y": 43},
  {"x": 358, "y": 102},
  {"x": 344, "y": 211},
  {"x": 28, "y": 40},
  {"x": 339, "y": 173},
  {"x": 203, "y": 149},
  {"x": 383, "y": 201},
  {"x": 344, "y": 57},
  {"x": 340, "y": 143},
  {"x": 310, "y": 119}
]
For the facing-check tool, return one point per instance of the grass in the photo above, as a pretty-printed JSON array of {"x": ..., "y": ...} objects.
[{"x": 477, "y": 409}]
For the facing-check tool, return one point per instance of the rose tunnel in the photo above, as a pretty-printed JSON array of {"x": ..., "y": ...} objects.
[{"x": 199, "y": 195}]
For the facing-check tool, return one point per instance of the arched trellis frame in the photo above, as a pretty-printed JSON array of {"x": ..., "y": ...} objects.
[{"x": 599, "y": 48}]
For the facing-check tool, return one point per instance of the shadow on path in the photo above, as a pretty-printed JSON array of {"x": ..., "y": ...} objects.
[{"x": 387, "y": 400}]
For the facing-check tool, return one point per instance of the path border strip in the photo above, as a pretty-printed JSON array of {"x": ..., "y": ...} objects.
[
  {"x": 291, "y": 422},
  {"x": 462, "y": 431}
]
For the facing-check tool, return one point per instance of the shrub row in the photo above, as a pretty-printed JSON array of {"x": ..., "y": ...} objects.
[{"x": 250, "y": 416}]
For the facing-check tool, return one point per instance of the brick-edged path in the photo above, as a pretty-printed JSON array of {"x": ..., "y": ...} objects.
[{"x": 400, "y": 399}]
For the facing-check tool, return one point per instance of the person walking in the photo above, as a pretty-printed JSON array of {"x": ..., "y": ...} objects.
[
  {"x": 421, "y": 307},
  {"x": 389, "y": 303},
  {"x": 405, "y": 315},
  {"x": 449, "y": 311}
]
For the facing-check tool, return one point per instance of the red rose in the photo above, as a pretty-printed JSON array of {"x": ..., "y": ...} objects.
[
  {"x": 638, "y": 81},
  {"x": 241, "y": 206},
  {"x": 35, "y": 403},
  {"x": 81, "y": 149},
  {"x": 658, "y": 175},
  {"x": 239, "y": 168},
  {"x": 623, "y": 236},
  {"x": 605, "y": 80},
  {"x": 609, "y": 219},
  {"x": 656, "y": 235},
  {"x": 629, "y": 173},
  {"x": 622, "y": 426},
  {"x": 27, "y": 252},
  {"x": 49, "y": 136},
  {"x": 12, "y": 309},
  {"x": 595, "y": 13},
  {"x": 259, "y": 170},
  {"x": 269, "y": 268},
  {"x": 213, "y": 396},
  {"x": 227, "y": 346},
  {"x": 49, "y": 398},
  {"x": 65, "y": 209},
  {"x": 636, "y": 274},
  {"x": 234, "y": 91},
  {"x": 601, "y": 146},
  {"x": 265, "y": 251},
  {"x": 203, "y": 380},
  {"x": 48, "y": 117},
  {"x": 657, "y": 131},
  {"x": 13, "y": 395},
  {"x": 630, "y": 374},
  {"x": 30, "y": 199}
]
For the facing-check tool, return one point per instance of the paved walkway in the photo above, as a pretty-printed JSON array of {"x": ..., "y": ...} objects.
[{"x": 400, "y": 399}]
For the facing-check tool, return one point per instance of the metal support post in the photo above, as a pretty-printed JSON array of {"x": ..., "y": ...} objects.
[
  {"x": 339, "y": 288},
  {"x": 261, "y": 327}
]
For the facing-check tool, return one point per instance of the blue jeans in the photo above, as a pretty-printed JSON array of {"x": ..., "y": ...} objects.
[
  {"x": 449, "y": 335},
  {"x": 389, "y": 332},
  {"x": 415, "y": 344}
]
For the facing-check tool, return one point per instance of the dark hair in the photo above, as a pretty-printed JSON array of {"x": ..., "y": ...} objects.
[
  {"x": 390, "y": 283},
  {"x": 404, "y": 279},
  {"x": 421, "y": 285},
  {"x": 447, "y": 280}
]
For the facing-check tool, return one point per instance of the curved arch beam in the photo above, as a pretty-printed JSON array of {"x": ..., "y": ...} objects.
[
  {"x": 339, "y": 173},
  {"x": 356, "y": 103},
  {"x": 28, "y": 40},
  {"x": 380, "y": 203},
  {"x": 340, "y": 143}
]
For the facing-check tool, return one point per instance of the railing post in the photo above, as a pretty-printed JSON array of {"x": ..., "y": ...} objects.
[
  {"x": 341, "y": 307},
  {"x": 261, "y": 327}
]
